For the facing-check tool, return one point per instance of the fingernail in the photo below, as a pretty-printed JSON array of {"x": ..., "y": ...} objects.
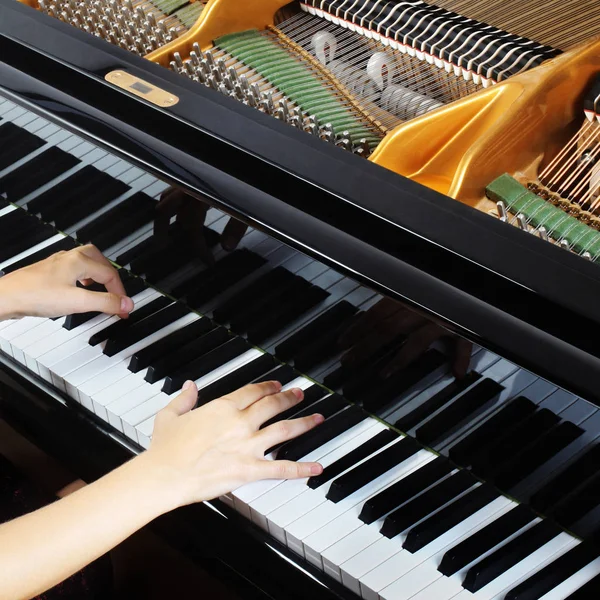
[
  {"x": 316, "y": 469},
  {"x": 187, "y": 385},
  {"x": 126, "y": 304},
  {"x": 318, "y": 419},
  {"x": 298, "y": 393}
]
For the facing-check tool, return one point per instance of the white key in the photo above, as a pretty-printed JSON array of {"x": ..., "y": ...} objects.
[
  {"x": 16, "y": 329},
  {"x": 47, "y": 242},
  {"x": 20, "y": 344},
  {"x": 247, "y": 493},
  {"x": 283, "y": 495}
]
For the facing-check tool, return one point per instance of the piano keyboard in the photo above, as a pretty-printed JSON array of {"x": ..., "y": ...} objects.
[{"x": 388, "y": 518}]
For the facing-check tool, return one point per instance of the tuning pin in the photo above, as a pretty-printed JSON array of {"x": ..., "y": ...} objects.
[
  {"x": 161, "y": 36},
  {"x": 233, "y": 75},
  {"x": 543, "y": 233},
  {"x": 522, "y": 222},
  {"x": 564, "y": 244},
  {"x": 177, "y": 59},
  {"x": 587, "y": 255},
  {"x": 222, "y": 68},
  {"x": 196, "y": 48},
  {"x": 189, "y": 68},
  {"x": 502, "y": 212},
  {"x": 128, "y": 5},
  {"x": 210, "y": 59},
  {"x": 174, "y": 66},
  {"x": 214, "y": 84},
  {"x": 223, "y": 89},
  {"x": 194, "y": 58},
  {"x": 43, "y": 6},
  {"x": 282, "y": 105},
  {"x": 216, "y": 74},
  {"x": 361, "y": 148},
  {"x": 205, "y": 67},
  {"x": 229, "y": 84},
  {"x": 244, "y": 84}
]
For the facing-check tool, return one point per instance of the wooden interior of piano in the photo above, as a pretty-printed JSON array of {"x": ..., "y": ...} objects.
[{"x": 516, "y": 126}]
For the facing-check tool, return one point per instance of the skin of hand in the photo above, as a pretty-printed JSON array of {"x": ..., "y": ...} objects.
[
  {"x": 388, "y": 320},
  {"x": 49, "y": 288},
  {"x": 191, "y": 215},
  {"x": 194, "y": 455}
]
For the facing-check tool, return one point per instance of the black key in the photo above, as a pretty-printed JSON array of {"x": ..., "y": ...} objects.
[
  {"x": 285, "y": 314},
  {"x": 133, "y": 286},
  {"x": 327, "y": 406},
  {"x": 372, "y": 468},
  {"x": 17, "y": 219},
  {"x": 135, "y": 317},
  {"x": 554, "y": 574},
  {"x": 123, "y": 219},
  {"x": 450, "y": 516},
  {"x": 234, "y": 381},
  {"x": 590, "y": 590},
  {"x": 171, "y": 343},
  {"x": 15, "y": 143},
  {"x": 284, "y": 374},
  {"x": 514, "y": 412},
  {"x": 145, "y": 328},
  {"x": 462, "y": 408},
  {"x": 387, "y": 390},
  {"x": 311, "y": 396},
  {"x": 485, "y": 539},
  {"x": 205, "y": 364},
  {"x": 252, "y": 294},
  {"x": 536, "y": 454},
  {"x": 65, "y": 244},
  {"x": 578, "y": 507},
  {"x": 183, "y": 355},
  {"x": 509, "y": 555},
  {"x": 425, "y": 504},
  {"x": 223, "y": 275},
  {"x": 37, "y": 172},
  {"x": 404, "y": 490},
  {"x": 334, "y": 426},
  {"x": 345, "y": 462},
  {"x": 331, "y": 319},
  {"x": 513, "y": 441},
  {"x": 421, "y": 412},
  {"x": 24, "y": 241},
  {"x": 575, "y": 475}
]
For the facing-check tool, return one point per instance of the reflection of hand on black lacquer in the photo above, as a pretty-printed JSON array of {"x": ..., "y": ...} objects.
[
  {"x": 389, "y": 320},
  {"x": 191, "y": 214}
]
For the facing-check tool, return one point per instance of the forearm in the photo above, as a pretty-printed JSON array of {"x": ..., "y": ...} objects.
[{"x": 43, "y": 548}]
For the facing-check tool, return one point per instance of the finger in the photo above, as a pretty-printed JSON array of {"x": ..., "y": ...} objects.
[
  {"x": 285, "y": 469},
  {"x": 462, "y": 357},
  {"x": 114, "y": 283},
  {"x": 249, "y": 394},
  {"x": 80, "y": 300},
  {"x": 417, "y": 343},
  {"x": 286, "y": 430},
  {"x": 184, "y": 402},
  {"x": 232, "y": 234},
  {"x": 268, "y": 407}
]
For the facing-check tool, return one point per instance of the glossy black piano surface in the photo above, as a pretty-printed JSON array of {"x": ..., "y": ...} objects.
[{"x": 523, "y": 421}]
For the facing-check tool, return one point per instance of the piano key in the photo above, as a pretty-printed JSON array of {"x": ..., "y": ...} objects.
[
  {"x": 169, "y": 363},
  {"x": 445, "y": 395},
  {"x": 328, "y": 406},
  {"x": 274, "y": 509},
  {"x": 135, "y": 317},
  {"x": 310, "y": 404},
  {"x": 283, "y": 373},
  {"x": 20, "y": 344},
  {"x": 576, "y": 474},
  {"x": 589, "y": 590},
  {"x": 352, "y": 458},
  {"x": 430, "y": 529},
  {"x": 311, "y": 440},
  {"x": 206, "y": 363},
  {"x": 136, "y": 332},
  {"x": 554, "y": 574},
  {"x": 468, "y": 447},
  {"x": 144, "y": 429},
  {"x": 509, "y": 555},
  {"x": 433, "y": 499},
  {"x": 237, "y": 379},
  {"x": 246, "y": 494},
  {"x": 482, "y": 542},
  {"x": 379, "y": 568},
  {"x": 397, "y": 494},
  {"x": 38, "y": 252},
  {"x": 510, "y": 443},
  {"x": 377, "y": 465},
  {"x": 40, "y": 170},
  {"x": 483, "y": 392},
  {"x": 15, "y": 144},
  {"x": 536, "y": 454}
]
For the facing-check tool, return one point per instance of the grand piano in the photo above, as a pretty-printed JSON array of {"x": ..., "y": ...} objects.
[{"x": 395, "y": 234}]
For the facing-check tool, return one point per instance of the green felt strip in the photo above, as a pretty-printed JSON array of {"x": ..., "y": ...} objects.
[
  {"x": 539, "y": 212},
  {"x": 296, "y": 81},
  {"x": 189, "y": 14}
]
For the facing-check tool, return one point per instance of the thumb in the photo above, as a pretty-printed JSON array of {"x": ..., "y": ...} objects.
[
  {"x": 104, "y": 302},
  {"x": 185, "y": 401}
]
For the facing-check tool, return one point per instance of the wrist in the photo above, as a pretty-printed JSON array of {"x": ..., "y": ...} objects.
[{"x": 8, "y": 310}]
